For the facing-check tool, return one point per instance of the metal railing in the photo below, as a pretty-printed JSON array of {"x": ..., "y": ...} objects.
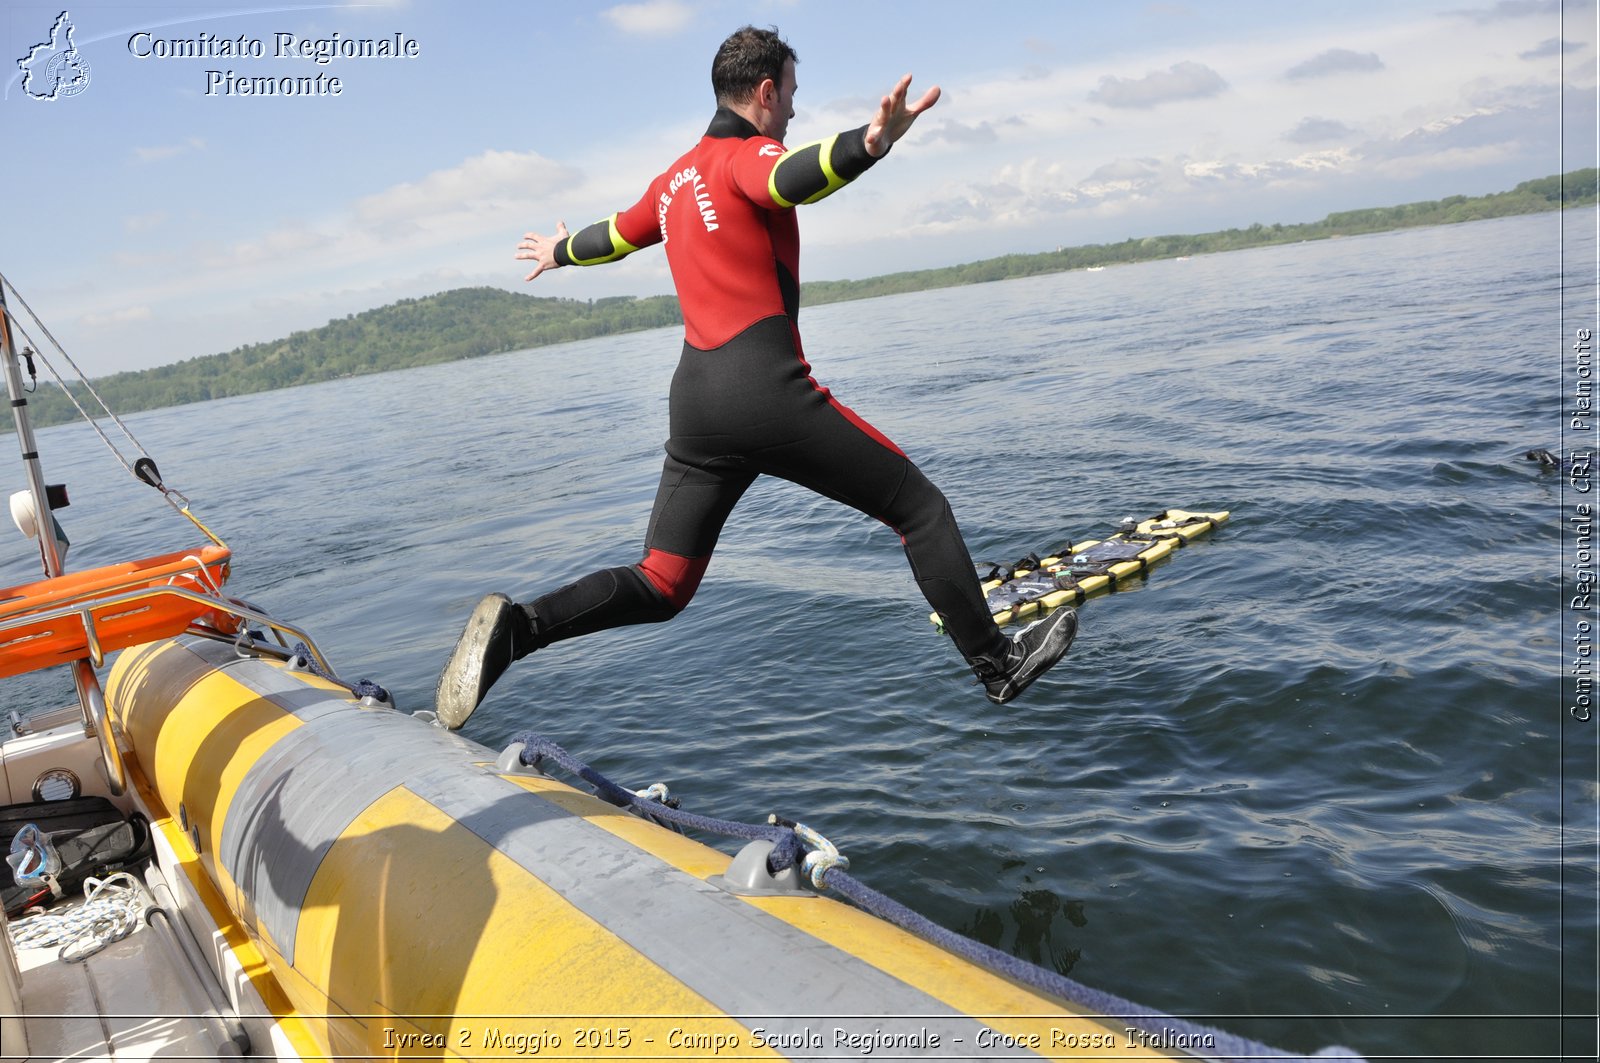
[{"x": 90, "y": 697}]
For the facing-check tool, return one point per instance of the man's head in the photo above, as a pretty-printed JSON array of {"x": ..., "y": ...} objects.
[{"x": 753, "y": 74}]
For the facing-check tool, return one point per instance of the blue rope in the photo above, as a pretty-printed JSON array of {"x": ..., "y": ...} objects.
[
  {"x": 788, "y": 850},
  {"x": 366, "y": 688}
]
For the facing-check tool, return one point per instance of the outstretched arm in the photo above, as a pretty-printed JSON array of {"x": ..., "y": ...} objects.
[
  {"x": 895, "y": 116},
  {"x": 605, "y": 241},
  {"x": 816, "y": 170}
]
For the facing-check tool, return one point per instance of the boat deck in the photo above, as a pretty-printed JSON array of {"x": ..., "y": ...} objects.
[{"x": 133, "y": 1000}]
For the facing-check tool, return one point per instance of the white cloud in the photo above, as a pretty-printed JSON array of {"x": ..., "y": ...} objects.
[
  {"x": 143, "y": 223},
  {"x": 1125, "y": 170},
  {"x": 456, "y": 224},
  {"x": 1039, "y": 192},
  {"x": 1511, "y": 9},
  {"x": 1548, "y": 48},
  {"x": 481, "y": 184},
  {"x": 117, "y": 318},
  {"x": 1335, "y": 61},
  {"x": 169, "y": 151},
  {"x": 1313, "y": 130},
  {"x": 650, "y": 17},
  {"x": 984, "y": 132},
  {"x": 290, "y": 242},
  {"x": 487, "y": 193},
  {"x": 1474, "y": 138},
  {"x": 1187, "y": 80},
  {"x": 1271, "y": 171},
  {"x": 1425, "y": 113}
]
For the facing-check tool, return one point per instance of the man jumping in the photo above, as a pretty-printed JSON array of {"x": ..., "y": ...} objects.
[{"x": 743, "y": 402}]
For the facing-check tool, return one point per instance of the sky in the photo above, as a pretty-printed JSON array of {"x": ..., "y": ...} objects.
[{"x": 155, "y": 212}]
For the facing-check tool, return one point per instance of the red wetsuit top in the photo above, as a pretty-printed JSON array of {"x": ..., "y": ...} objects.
[{"x": 725, "y": 212}]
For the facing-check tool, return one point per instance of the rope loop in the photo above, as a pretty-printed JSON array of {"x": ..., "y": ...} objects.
[
  {"x": 366, "y": 690},
  {"x": 536, "y": 749},
  {"x": 656, "y": 791},
  {"x": 823, "y": 856},
  {"x": 111, "y": 910}
]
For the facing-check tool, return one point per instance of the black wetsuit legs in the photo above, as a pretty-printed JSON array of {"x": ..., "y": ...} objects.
[{"x": 751, "y": 408}]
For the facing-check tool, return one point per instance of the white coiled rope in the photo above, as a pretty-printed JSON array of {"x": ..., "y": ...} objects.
[{"x": 110, "y": 912}]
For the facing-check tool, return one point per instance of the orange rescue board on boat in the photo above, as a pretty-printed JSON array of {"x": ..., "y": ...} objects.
[{"x": 30, "y": 641}]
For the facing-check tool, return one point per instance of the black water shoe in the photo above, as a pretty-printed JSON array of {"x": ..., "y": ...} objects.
[
  {"x": 497, "y": 633},
  {"x": 1031, "y": 653}
]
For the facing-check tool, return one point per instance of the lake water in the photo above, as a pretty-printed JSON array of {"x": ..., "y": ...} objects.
[{"x": 1313, "y": 781}]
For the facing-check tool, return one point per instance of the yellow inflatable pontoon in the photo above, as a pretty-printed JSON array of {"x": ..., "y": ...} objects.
[{"x": 408, "y": 895}]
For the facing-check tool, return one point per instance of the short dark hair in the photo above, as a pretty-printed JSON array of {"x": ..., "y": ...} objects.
[{"x": 747, "y": 58}]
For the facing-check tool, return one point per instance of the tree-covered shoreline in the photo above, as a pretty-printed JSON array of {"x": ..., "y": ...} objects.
[{"x": 472, "y": 322}]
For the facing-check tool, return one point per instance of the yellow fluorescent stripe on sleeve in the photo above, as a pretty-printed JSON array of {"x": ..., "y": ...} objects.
[
  {"x": 825, "y": 158},
  {"x": 833, "y": 182},
  {"x": 622, "y": 246},
  {"x": 772, "y": 180},
  {"x": 619, "y": 246}
]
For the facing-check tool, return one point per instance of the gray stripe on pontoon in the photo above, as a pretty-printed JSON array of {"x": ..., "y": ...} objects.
[
  {"x": 677, "y": 921},
  {"x": 302, "y": 794}
]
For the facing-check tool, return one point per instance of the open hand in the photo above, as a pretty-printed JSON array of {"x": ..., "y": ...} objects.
[
  {"x": 895, "y": 116},
  {"x": 541, "y": 249}
]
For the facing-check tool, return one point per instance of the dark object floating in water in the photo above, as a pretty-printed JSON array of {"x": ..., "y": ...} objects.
[
  {"x": 1579, "y": 465},
  {"x": 1545, "y": 459}
]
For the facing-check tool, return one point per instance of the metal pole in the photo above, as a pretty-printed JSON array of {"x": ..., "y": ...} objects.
[
  {"x": 43, "y": 520},
  {"x": 95, "y": 721},
  {"x": 90, "y": 700}
]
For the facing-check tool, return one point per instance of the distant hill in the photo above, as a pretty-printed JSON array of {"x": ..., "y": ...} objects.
[
  {"x": 469, "y": 322},
  {"x": 463, "y": 323},
  {"x": 1530, "y": 197}
]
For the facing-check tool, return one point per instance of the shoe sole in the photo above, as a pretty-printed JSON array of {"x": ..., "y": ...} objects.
[
  {"x": 460, "y": 684},
  {"x": 1042, "y": 657}
]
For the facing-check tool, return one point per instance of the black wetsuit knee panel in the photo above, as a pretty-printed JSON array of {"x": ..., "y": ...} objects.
[{"x": 611, "y": 597}]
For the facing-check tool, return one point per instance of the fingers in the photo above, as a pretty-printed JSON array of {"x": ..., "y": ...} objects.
[
  {"x": 532, "y": 241},
  {"x": 893, "y": 106},
  {"x": 896, "y": 100},
  {"x": 537, "y": 247},
  {"x": 898, "y": 94},
  {"x": 896, "y": 115},
  {"x": 929, "y": 98}
]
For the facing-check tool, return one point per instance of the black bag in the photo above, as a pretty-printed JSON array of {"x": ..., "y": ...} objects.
[{"x": 92, "y": 835}]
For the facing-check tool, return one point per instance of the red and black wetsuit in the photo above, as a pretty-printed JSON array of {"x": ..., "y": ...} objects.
[{"x": 743, "y": 401}]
